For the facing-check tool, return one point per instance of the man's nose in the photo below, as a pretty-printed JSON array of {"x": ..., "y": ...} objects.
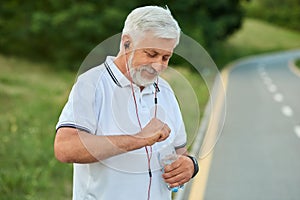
[{"x": 159, "y": 67}]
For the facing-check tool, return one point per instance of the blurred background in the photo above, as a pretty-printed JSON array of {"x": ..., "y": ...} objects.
[{"x": 43, "y": 43}]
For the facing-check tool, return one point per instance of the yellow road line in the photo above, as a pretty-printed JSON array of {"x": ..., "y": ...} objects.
[{"x": 199, "y": 182}]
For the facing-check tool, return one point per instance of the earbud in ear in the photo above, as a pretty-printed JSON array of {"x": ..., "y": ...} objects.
[{"x": 126, "y": 45}]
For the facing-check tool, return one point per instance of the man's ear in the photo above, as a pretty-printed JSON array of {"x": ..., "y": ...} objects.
[
  {"x": 126, "y": 45},
  {"x": 126, "y": 42}
]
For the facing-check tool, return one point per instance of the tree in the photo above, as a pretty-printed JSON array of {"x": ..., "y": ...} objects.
[
  {"x": 63, "y": 32},
  {"x": 284, "y": 13}
]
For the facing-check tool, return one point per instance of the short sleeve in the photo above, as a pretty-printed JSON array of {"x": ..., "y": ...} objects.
[{"x": 79, "y": 111}]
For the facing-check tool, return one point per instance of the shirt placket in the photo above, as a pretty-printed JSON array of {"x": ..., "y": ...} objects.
[{"x": 143, "y": 108}]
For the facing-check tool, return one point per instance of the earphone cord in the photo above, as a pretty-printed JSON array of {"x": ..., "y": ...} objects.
[
  {"x": 155, "y": 98},
  {"x": 149, "y": 155}
]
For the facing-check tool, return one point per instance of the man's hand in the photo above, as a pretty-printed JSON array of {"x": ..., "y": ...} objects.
[
  {"x": 154, "y": 131},
  {"x": 179, "y": 172}
]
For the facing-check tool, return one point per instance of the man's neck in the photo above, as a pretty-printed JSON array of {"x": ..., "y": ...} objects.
[{"x": 120, "y": 62}]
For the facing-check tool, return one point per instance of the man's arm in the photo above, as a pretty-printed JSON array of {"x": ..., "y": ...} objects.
[
  {"x": 180, "y": 171},
  {"x": 74, "y": 146}
]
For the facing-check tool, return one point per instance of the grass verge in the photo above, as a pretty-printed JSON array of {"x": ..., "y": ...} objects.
[
  {"x": 257, "y": 37},
  {"x": 31, "y": 97}
]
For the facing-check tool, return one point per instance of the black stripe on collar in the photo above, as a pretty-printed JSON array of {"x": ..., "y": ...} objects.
[{"x": 112, "y": 75}]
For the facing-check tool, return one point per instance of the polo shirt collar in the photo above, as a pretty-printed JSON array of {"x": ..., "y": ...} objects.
[
  {"x": 116, "y": 75},
  {"x": 120, "y": 80}
]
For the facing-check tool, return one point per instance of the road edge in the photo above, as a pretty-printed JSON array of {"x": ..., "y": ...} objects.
[
  {"x": 294, "y": 69},
  {"x": 189, "y": 189}
]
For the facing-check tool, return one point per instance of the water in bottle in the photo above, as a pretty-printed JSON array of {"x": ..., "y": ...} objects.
[{"x": 166, "y": 156}]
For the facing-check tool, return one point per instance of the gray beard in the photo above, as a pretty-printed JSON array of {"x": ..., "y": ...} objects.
[
  {"x": 138, "y": 79},
  {"x": 136, "y": 74}
]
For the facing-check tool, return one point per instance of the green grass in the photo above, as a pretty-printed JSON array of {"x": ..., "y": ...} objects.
[
  {"x": 262, "y": 36},
  {"x": 31, "y": 97},
  {"x": 256, "y": 37}
]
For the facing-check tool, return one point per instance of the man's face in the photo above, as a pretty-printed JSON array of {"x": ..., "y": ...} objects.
[{"x": 150, "y": 57}]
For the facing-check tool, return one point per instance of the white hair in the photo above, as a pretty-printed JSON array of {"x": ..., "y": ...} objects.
[{"x": 152, "y": 18}]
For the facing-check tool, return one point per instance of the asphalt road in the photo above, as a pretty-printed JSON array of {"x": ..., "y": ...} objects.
[{"x": 257, "y": 156}]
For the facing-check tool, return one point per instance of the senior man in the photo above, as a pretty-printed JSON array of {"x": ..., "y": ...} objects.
[{"x": 121, "y": 113}]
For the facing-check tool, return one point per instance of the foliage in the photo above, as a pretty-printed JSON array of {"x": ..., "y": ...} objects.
[
  {"x": 297, "y": 63},
  {"x": 64, "y": 32},
  {"x": 284, "y": 13}
]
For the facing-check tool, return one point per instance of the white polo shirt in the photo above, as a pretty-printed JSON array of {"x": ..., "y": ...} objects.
[{"x": 101, "y": 103}]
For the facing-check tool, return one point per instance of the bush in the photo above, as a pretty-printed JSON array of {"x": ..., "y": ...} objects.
[
  {"x": 286, "y": 14},
  {"x": 64, "y": 32}
]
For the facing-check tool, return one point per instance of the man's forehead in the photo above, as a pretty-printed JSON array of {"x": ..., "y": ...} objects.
[{"x": 151, "y": 42}]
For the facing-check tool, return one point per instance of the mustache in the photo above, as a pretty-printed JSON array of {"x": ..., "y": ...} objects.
[{"x": 149, "y": 69}]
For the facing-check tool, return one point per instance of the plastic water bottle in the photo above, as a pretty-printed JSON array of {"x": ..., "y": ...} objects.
[{"x": 166, "y": 156}]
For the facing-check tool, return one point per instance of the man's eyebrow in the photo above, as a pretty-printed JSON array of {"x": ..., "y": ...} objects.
[{"x": 156, "y": 52}]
